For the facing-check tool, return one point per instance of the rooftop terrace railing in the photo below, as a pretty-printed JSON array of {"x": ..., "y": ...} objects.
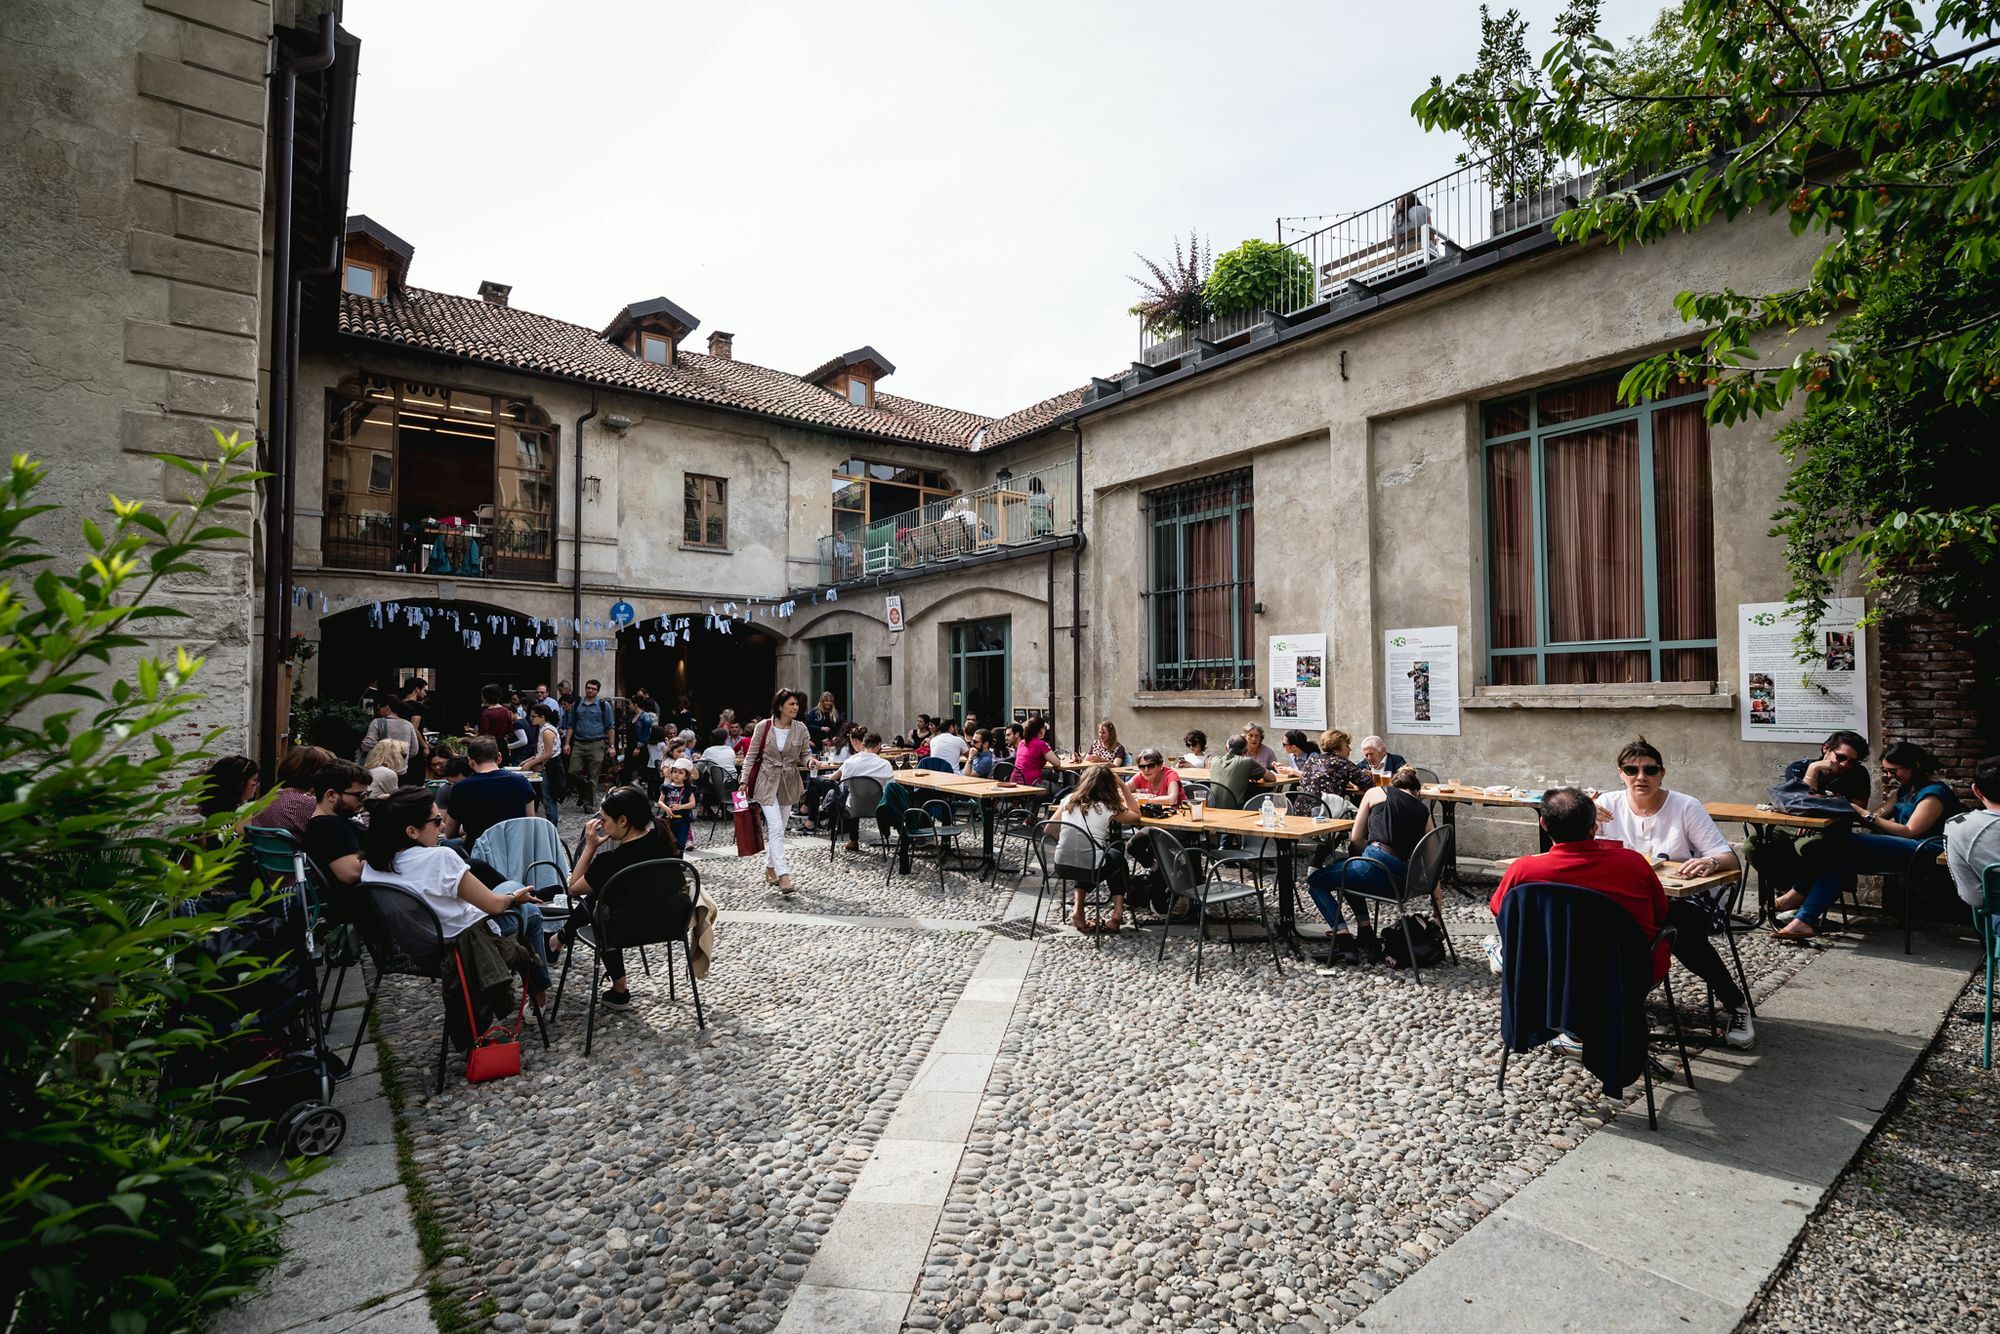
[
  {"x": 1436, "y": 223},
  {"x": 1019, "y": 511}
]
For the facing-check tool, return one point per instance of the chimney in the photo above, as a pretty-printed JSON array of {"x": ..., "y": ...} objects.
[
  {"x": 494, "y": 292},
  {"x": 722, "y": 346}
]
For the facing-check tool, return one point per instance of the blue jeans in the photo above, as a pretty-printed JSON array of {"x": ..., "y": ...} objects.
[
  {"x": 548, "y": 792},
  {"x": 1374, "y": 868},
  {"x": 1834, "y": 861},
  {"x": 525, "y": 920}
]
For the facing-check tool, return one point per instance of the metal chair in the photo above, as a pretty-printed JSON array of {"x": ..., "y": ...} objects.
[
  {"x": 928, "y": 825},
  {"x": 1420, "y": 881},
  {"x": 1067, "y": 853},
  {"x": 1017, "y": 824},
  {"x": 1003, "y": 771},
  {"x": 1178, "y": 865},
  {"x": 859, "y": 798},
  {"x": 1921, "y": 868},
  {"x": 635, "y": 916},
  {"x": 1987, "y": 916}
]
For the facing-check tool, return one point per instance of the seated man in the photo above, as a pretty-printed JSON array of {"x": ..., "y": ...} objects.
[
  {"x": 1580, "y": 858},
  {"x": 332, "y": 839},
  {"x": 1231, "y": 777},
  {"x": 1378, "y": 758},
  {"x": 486, "y": 796},
  {"x": 867, "y": 764},
  {"x": 1839, "y": 771},
  {"x": 721, "y": 751},
  {"x": 1972, "y": 840}
]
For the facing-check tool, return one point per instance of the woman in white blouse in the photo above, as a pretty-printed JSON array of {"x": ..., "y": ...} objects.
[{"x": 1672, "y": 826}]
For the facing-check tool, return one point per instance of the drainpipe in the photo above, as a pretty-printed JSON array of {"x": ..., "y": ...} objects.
[
  {"x": 281, "y": 454},
  {"x": 1076, "y": 604},
  {"x": 576, "y": 556},
  {"x": 1050, "y": 651}
]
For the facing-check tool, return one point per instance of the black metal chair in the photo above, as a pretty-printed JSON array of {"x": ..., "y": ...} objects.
[
  {"x": 630, "y": 913},
  {"x": 1177, "y": 863},
  {"x": 1003, "y": 771},
  {"x": 928, "y": 825},
  {"x": 404, "y": 938},
  {"x": 1420, "y": 881},
  {"x": 1068, "y": 854},
  {"x": 858, "y": 799},
  {"x": 1016, "y": 825},
  {"x": 1610, "y": 919}
]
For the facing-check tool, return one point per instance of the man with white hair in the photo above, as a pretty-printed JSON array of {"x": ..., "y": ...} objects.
[{"x": 1376, "y": 757}]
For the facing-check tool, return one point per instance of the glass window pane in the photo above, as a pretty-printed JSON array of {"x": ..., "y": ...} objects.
[
  {"x": 1577, "y": 401},
  {"x": 1683, "y": 525},
  {"x": 1507, "y": 416},
  {"x": 1624, "y": 667},
  {"x": 1590, "y": 487},
  {"x": 360, "y": 280},
  {"x": 1688, "y": 664},
  {"x": 1510, "y": 535},
  {"x": 1514, "y": 670},
  {"x": 857, "y": 393}
]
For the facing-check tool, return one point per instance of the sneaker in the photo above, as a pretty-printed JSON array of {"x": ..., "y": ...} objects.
[
  {"x": 1742, "y": 1030},
  {"x": 1567, "y": 1046},
  {"x": 1492, "y": 947},
  {"x": 616, "y": 998}
]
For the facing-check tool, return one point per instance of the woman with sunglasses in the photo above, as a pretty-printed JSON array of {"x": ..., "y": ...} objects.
[
  {"x": 1658, "y": 823},
  {"x": 1155, "y": 779},
  {"x": 402, "y": 849}
]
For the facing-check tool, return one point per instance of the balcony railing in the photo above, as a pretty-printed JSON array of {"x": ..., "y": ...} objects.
[
  {"x": 510, "y": 546},
  {"x": 1017, "y": 512},
  {"x": 1433, "y": 225}
]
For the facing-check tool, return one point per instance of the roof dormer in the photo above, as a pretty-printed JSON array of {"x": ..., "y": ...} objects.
[
  {"x": 651, "y": 330},
  {"x": 375, "y": 262},
  {"x": 852, "y": 375}
]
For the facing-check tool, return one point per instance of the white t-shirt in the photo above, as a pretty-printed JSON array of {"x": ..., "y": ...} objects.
[
  {"x": 723, "y": 757},
  {"x": 1680, "y": 829},
  {"x": 1971, "y": 844},
  {"x": 1194, "y": 761},
  {"x": 867, "y": 764},
  {"x": 1095, "y": 821},
  {"x": 432, "y": 874},
  {"x": 949, "y": 747}
]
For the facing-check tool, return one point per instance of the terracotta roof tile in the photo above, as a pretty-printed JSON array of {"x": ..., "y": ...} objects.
[{"x": 515, "y": 339}]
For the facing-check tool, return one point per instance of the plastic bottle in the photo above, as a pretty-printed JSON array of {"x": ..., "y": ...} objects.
[{"x": 1267, "y": 813}]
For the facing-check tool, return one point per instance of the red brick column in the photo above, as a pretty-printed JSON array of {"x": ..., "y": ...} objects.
[{"x": 1939, "y": 690}]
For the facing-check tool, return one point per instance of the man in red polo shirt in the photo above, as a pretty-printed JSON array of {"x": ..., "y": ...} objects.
[{"x": 1582, "y": 859}]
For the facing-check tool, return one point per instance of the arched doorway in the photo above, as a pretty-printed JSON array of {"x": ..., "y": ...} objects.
[
  {"x": 737, "y": 671},
  {"x": 356, "y": 655}
]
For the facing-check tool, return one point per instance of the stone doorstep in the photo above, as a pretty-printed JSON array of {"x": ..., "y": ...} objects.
[{"x": 1684, "y": 1227}]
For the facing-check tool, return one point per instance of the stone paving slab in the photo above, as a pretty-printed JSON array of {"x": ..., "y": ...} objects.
[{"x": 1683, "y": 1227}]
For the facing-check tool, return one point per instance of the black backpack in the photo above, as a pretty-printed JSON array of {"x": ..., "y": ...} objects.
[{"x": 1424, "y": 934}]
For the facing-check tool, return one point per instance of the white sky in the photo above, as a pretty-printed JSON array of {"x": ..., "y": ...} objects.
[{"x": 960, "y": 185}]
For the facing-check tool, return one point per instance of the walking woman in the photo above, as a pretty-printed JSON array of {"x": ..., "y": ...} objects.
[{"x": 775, "y": 763}]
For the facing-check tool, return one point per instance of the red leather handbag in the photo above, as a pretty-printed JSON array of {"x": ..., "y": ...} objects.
[
  {"x": 496, "y": 1053},
  {"x": 750, "y": 820}
]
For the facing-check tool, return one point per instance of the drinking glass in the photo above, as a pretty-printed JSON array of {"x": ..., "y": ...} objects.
[{"x": 1196, "y": 804}]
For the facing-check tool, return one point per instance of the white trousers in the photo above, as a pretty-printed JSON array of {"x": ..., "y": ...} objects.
[{"x": 774, "y": 837}]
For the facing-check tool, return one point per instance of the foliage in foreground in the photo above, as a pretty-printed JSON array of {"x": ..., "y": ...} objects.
[
  {"x": 1872, "y": 124},
  {"x": 123, "y": 1201}
]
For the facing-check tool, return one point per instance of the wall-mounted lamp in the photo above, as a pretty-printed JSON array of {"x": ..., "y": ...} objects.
[
  {"x": 1004, "y": 476},
  {"x": 593, "y": 487},
  {"x": 614, "y": 422}
]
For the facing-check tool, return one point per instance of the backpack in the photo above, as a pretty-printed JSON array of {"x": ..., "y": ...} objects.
[{"x": 1424, "y": 933}]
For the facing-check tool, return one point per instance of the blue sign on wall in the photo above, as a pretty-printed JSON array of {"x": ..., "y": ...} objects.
[{"x": 621, "y": 612}]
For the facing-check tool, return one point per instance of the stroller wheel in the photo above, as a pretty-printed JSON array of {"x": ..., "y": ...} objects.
[{"x": 314, "y": 1130}]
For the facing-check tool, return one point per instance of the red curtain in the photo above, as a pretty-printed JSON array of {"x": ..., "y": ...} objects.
[
  {"x": 1684, "y": 535},
  {"x": 1208, "y": 582},
  {"x": 1510, "y": 543},
  {"x": 1591, "y": 500}
]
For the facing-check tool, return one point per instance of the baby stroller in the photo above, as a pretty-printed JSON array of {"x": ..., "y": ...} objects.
[{"x": 275, "y": 1022}]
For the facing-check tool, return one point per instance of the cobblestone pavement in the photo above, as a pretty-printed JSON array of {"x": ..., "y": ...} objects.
[
  {"x": 1253, "y": 1152},
  {"x": 1911, "y": 1238}
]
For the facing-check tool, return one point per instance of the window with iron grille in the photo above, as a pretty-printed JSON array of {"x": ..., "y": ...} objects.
[{"x": 1200, "y": 586}]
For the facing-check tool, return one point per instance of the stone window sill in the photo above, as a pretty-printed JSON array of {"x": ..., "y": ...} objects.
[
  {"x": 1193, "y": 699},
  {"x": 1655, "y": 695}
]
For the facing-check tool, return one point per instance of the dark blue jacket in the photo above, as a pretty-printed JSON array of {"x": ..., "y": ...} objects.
[{"x": 1576, "y": 962}]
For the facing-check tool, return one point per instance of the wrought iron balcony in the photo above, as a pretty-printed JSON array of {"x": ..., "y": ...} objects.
[
  {"x": 504, "y": 546},
  {"x": 1017, "y": 512}
]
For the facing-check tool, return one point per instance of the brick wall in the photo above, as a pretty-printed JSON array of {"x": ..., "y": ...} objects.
[{"x": 1939, "y": 690}]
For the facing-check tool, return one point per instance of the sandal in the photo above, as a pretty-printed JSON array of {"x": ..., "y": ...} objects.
[
  {"x": 770, "y": 876},
  {"x": 785, "y": 884},
  {"x": 1795, "y": 930}
]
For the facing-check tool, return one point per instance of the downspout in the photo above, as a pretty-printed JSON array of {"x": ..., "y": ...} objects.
[
  {"x": 281, "y": 453},
  {"x": 1051, "y": 640},
  {"x": 1076, "y": 605},
  {"x": 576, "y": 556}
]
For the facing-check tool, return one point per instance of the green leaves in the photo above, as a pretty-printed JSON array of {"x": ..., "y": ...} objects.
[{"x": 1259, "y": 275}]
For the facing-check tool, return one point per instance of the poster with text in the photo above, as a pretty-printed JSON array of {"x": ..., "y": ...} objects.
[
  {"x": 1298, "y": 682},
  {"x": 1791, "y": 701},
  {"x": 1422, "y": 679}
]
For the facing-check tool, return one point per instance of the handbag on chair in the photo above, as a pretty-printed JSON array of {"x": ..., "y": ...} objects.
[
  {"x": 491, "y": 1057},
  {"x": 749, "y": 819}
]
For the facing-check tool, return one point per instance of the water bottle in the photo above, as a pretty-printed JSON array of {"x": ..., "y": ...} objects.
[{"x": 1267, "y": 813}]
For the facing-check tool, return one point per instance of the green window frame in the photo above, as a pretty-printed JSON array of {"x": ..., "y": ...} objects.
[
  {"x": 1200, "y": 586},
  {"x": 1577, "y": 407},
  {"x": 830, "y": 666}
]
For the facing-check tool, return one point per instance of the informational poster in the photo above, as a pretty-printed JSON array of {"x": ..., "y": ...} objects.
[
  {"x": 895, "y": 611},
  {"x": 1422, "y": 679},
  {"x": 1298, "y": 682},
  {"x": 1791, "y": 701}
]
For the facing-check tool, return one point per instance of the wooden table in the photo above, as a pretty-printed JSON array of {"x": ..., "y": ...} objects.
[
  {"x": 989, "y": 794},
  {"x": 1450, "y": 798},
  {"x": 1757, "y": 817},
  {"x": 1290, "y": 830}
]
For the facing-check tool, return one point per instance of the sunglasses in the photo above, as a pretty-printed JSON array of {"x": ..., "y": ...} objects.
[
  {"x": 435, "y": 819},
  {"x": 355, "y": 792},
  {"x": 1634, "y": 770},
  {"x": 1842, "y": 757}
]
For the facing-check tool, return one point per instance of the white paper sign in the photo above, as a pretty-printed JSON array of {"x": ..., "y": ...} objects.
[
  {"x": 895, "y": 611},
  {"x": 1298, "y": 682},
  {"x": 1422, "y": 679},
  {"x": 1791, "y": 701}
]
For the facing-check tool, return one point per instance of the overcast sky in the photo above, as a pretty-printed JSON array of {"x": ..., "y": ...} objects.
[{"x": 960, "y": 185}]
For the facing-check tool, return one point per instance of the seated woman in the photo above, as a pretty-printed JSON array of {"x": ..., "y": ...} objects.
[
  {"x": 626, "y": 816},
  {"x": 402, "y": 849},
  {"x": 1031, "y": 757},
  {"x": 1388, "y": 825},
  {"x": 1329, "y": 771},
  {"x": 1884, "y": 841},
  {"x": 293, "y": 807},
  {"x": 1098, "y": 802},
  {"x": 1155, "y": 779},
  {"x": 1298, "y": 748},
  {"x": 1253, "y": 740},
  {"x": 1106, "y": 750},
  {"x": 1658, "y": 823},
  {"x": 1196, "y": 755},
  {"x": 386, "y": 764}
]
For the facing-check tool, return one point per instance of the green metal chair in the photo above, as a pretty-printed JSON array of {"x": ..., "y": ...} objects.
[{"x": 1988, "y": 917}]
